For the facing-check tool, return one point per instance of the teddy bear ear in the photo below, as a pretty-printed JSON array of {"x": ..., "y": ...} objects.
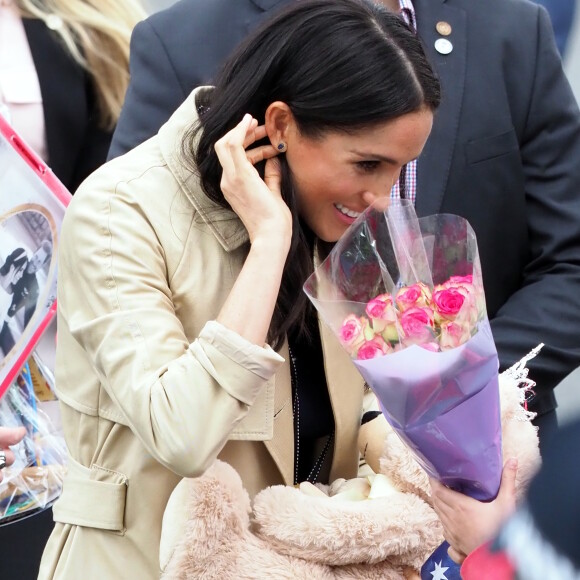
[{"x": 202, "y": 516}]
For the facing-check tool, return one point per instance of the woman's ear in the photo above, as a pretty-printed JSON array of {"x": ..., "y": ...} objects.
[{"x": 280, "y": 125}]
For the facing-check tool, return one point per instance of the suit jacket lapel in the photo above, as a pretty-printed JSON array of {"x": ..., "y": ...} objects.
[{"x": 435, "y": 162}]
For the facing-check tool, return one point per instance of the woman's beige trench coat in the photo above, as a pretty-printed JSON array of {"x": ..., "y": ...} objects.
[{"x": 150, "y": 391}]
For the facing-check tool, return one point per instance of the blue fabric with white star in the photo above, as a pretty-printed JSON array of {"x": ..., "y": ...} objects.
[{"x": 440, "y": 566}]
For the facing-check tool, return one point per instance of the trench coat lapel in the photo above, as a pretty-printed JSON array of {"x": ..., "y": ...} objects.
[
  {"x": 346, "y": 388},
  {"x": 434, "y": 163}
]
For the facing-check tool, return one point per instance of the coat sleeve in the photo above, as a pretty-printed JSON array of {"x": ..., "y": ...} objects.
[
  {"x": 546, "y": 307},
  {"x": 154, "y": 92},
  {"x": 181, "y": 399}
]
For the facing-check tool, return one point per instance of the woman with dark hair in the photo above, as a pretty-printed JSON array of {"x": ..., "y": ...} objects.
[
  {"x": 25, "y": 293},
  {"x": 15, "y": 262},
  {"x": 10, "y": 273},
  {"x": 182, "y": 261}
]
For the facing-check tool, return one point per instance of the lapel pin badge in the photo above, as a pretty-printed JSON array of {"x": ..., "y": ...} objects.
[
  {"x": 443, "y": 28},
  {"x": 443, "y": 46}
]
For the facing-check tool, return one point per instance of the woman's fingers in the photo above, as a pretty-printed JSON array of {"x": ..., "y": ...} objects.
[
  {"x": 229, "y": 147},
  {"x": 236, "y": 159},
  {"x": 11, "y": 436},
  {"x": 273, "y": 175},
  {"x": 261, "y": 153},
  {"x": 255, "y": 133}
]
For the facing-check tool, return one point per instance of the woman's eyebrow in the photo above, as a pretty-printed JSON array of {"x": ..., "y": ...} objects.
[{"x": 369, "y": 155}]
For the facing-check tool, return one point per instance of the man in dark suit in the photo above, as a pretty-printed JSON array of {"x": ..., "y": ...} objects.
[{"x": 504, "y": 151}]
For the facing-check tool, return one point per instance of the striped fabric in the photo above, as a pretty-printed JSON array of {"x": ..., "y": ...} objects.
[{"x": 410, "y": 177}]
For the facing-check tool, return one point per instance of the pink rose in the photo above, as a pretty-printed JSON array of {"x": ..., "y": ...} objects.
[
  {"x": 448, "y": 301},
  {"x": 416, "y": 295},
  {"x": 374, "y": 348},
  {"x": 351, "y": 333},
  {"x": 383, "y": 316},
  {"x": 476, "y": 295},
  {"x": 417, "y": 324},
  {"x": 381, "y": 308},
  {"x": 453, "y": 335}
]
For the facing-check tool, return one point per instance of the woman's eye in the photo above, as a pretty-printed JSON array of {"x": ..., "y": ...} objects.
[{"x": 367, "y": 166}]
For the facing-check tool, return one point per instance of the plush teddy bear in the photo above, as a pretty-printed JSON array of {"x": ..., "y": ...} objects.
[{"x": 328, "y": 532}]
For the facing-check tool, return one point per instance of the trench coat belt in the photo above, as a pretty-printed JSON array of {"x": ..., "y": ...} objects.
[{"x": 89, "y": 501}]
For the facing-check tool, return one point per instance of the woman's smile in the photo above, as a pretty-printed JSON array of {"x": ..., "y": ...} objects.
[{"x": 348, "y": 215}]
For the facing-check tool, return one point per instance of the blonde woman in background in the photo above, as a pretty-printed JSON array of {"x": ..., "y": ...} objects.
[
  {"x": 63, "y": 75},
  {"x": 64, "y": 70}
]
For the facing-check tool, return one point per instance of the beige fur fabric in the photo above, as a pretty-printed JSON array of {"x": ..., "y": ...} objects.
[
  {"x": 291, "y": 535},
  {"x": 218, "y": 543},
  {"x": 339, "y": 532}
]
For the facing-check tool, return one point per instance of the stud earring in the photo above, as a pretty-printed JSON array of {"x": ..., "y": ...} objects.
[{"x": 281, "y": 146}]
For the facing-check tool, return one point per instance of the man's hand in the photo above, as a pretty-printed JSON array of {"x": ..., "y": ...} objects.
[{"x": 467, "y": 522}]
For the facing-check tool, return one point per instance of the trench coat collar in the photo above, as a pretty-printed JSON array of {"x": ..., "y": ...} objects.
[{"x": 224, "y": 223}]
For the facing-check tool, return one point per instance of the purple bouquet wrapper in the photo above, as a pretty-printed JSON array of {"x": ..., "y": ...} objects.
[{"x": 445, "y": 407}]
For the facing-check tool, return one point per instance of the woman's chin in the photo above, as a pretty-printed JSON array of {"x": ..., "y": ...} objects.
[
  {"x": 330, "y": 237},
  {"x": 329, "y": 232}
]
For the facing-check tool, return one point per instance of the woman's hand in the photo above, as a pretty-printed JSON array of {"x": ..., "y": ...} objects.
[
  {"x": 468, "y": 523},
  {"x": 257, "y": 201},
  {"x": 9, "y": 436}
]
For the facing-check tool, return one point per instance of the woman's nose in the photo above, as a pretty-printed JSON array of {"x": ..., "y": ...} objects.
[
  {"x": 374, "y": 197},
  {"x": 381, "y": 189}
]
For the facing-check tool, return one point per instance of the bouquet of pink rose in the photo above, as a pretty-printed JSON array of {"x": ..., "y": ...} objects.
[
  {"x": 436, "y": 319},
  {"x": 405, "y": 298}
]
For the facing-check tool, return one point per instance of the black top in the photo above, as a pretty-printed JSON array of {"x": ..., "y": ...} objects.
[{"x": 316, "y": 419}]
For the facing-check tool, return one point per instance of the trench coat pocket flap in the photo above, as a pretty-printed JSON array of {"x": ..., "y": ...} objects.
[{"x": 88, "y": 501}]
